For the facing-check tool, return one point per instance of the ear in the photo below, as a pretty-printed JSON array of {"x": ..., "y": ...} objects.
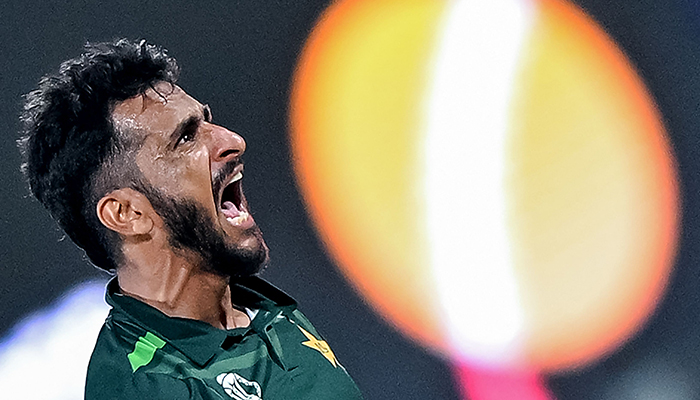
[{"x": 126, "y": 211}]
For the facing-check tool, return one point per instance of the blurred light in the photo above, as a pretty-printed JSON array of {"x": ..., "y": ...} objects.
[
  {"x": 46, "y": 356},
  {"x": 465, "y": 154},
  {"x": 493, "y": 176},
  {"x": 484, "y": 383},
  {"x": 653, "y": 378}
]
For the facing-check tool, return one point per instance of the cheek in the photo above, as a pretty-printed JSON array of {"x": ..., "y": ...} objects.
[
  {"x": 185, "y": 174},
  {"x": 195, "y": 173}
]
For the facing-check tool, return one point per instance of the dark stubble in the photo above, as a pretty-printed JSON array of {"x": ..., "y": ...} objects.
[{"x": 191, "y": 229}]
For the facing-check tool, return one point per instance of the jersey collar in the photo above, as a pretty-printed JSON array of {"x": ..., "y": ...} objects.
[{"x": 198, "y": 340}]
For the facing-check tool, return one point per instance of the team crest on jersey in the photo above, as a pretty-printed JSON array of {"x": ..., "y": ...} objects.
[{"x": 238, "y": 387}]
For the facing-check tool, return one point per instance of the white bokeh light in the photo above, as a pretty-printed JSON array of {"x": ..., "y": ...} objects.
[
  {"x": 465, "y": 167},
  {"x": 46, "y": 356}
]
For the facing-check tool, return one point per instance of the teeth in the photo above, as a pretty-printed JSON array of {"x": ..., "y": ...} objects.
[
  {"x": 236, "y": 177},
  {"x": 241, "y": 218}
]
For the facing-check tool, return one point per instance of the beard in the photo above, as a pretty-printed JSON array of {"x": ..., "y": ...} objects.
[{"x": 190, "y": 228}]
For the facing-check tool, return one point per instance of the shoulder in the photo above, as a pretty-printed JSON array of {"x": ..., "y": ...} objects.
[
  {"x": 304, "y": 322},
  {"x": 112, "y": 374}
]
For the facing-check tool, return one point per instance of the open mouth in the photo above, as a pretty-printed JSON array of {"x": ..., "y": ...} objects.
[{"x": 232, "y": 201}]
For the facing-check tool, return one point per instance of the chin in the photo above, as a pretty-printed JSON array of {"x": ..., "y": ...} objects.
[{"x": 247, "y": 257}]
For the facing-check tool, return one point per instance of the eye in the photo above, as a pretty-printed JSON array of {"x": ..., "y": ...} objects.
[
  {"x": 186, "y": 136},
  {"x": 188, "y": 132}
]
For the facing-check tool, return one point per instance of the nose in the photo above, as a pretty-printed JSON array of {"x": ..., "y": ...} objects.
[{"x": 226, "y": 144}]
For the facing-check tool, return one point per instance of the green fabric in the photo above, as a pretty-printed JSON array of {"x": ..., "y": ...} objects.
[
  {"x": 144, "y": 350},
  {"x": 143, "y": 354}
]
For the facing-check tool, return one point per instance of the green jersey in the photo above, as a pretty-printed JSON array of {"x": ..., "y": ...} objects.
[{"x": 142, "y": 353}]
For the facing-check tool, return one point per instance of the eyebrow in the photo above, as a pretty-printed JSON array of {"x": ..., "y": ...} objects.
[
  {"x": 190, "y": 124},
  {"x": 207, "y": 113}
]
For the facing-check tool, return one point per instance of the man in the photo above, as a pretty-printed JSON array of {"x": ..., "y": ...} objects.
[{"x": 138, "y": 175}]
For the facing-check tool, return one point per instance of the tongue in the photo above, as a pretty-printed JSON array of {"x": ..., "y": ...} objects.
[{"x": 229, "y": 209}]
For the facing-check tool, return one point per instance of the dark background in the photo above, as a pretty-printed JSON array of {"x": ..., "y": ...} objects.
[{"x": 239, "y": 56}]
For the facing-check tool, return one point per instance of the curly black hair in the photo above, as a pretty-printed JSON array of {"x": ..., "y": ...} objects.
[{"x": 68, "y": 137}]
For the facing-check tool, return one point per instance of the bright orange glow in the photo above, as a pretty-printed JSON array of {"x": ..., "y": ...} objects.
[
  {"x": 356, "y": 104},
  {"x": 593, "y": 192},
  {"x": 591, "y": 187}
]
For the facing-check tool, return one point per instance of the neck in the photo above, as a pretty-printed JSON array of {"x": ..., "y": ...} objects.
[{"x": 178, "y": 287}]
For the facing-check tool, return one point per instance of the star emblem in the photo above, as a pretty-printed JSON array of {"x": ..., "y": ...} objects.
[{"x": 320, "y": 345}]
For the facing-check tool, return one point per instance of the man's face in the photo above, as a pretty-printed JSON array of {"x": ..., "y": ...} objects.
[{"x": 193, "y": 175}]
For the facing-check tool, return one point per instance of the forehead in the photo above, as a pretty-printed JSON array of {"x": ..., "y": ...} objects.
[{"x": 156, "y": 111}]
